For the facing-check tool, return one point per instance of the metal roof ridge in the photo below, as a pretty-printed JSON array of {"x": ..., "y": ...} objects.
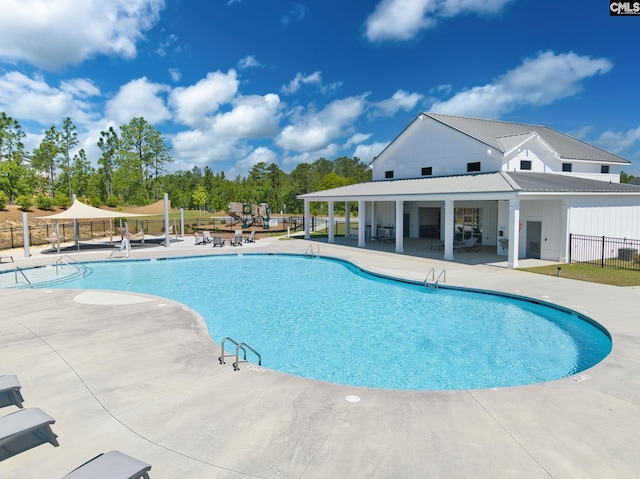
[{"x": 511, "y": 181}]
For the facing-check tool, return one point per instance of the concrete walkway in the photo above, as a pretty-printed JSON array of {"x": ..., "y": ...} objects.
[{"x": 140, "y": 374}]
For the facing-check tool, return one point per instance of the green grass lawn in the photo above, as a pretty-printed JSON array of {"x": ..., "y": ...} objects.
[{"x": 582, "y": 272}]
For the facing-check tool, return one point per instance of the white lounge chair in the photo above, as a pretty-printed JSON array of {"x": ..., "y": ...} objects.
[
  {"x": 10, "y": 391},
  {"x": 468, "y": 245},
  {"x": 236, "y": 240},
  {"x": 217, "y": 241},
  {"x": 251, "y": 238},
  {"x": 23, "y": 430},
  {"x": 206, "y": 236},
  {"x": 111, "y": 465},
  {"x": 124, "y": 247}
]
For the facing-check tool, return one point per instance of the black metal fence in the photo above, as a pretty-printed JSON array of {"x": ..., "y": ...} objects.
[{"x": 605, "y": 252}]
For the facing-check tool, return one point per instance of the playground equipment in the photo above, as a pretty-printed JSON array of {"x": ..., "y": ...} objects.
[{"x": 250, "y": 214}]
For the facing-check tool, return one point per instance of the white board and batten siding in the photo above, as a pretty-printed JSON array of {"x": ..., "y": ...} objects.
[
  {"x": 431, "y": 144},
  {"x": 616, "y": 217}
]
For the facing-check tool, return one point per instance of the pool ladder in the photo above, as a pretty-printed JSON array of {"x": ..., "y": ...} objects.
[
  {"x": 239, "y": 346},
  {"x": 433, "y": 284},
  {"x": 309, "y": 252}
]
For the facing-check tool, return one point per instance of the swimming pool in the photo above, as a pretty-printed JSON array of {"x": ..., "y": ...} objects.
[{"x": 328, "y": 320}]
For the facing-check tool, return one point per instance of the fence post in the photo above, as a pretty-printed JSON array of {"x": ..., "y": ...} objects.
[
  {"x": 602, "y": 256},
  {"x": 570, "y": 246}
]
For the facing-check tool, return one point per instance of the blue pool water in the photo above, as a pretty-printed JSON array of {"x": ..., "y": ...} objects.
[{"x": 327, "y": 320}]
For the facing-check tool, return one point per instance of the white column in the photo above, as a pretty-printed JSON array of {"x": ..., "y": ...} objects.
[
  {"x": 399, "y": 226},
  {"x": 347, "y": 219},
  {"x": 25, "y": 235},
  {"x": 448, "y": 230},
  {"x": 566, "y": 230},
  {"x": 307, "y": 220},
  {"x": 373, "y": 218},
  {"x": 330, "y": 225},
  {"x": 361, "y": 223},
  {"x": 514, "y": 233},
  {"x": 182, "y": 223},
  {"x": 167, "y": 234}
]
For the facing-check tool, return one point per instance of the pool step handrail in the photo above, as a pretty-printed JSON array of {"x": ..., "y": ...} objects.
[
  {"x": 61, "y": 261},
  {"x": 17, "y": 270},
  {"x": 244, "y": 347},
  {"x": 309, "y": 252},
  {"x": 222, "y": 355},
  {"x": 433, "y": 284}
]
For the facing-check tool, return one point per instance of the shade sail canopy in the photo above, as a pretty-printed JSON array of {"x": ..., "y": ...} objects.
[{"x": 78, "y": 210}]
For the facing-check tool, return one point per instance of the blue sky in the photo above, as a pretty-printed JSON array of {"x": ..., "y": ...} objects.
[{"x": 234, "y": 82}]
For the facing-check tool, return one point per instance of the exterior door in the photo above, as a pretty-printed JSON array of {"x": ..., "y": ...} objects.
[
  {"x": 406, "y": 217},
  {"x": 534, "y": 237}
]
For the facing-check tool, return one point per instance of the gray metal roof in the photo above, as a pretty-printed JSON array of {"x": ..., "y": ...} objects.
[
  {"x": 498, "y": 182},
  {"x": 549, "y": 182},
  {"x": 480, "y": 183},
  {"x": 496, "y": 135}
]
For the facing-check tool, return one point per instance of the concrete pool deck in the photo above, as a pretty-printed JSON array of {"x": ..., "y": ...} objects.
[{"x": 140, "y": 374}]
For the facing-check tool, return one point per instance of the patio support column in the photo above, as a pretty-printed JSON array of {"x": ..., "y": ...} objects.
[
  {"x": 372, "y": 220},
  {"x": 347, "y": 219},
  {"x": 331, "y": 232},
  {"x": 399, "y": 226},
  {"x": 566, "y": 231},
  {"x": 448, "y": 230},
  {"x": 307, "y": 220},
  {"x": 514, "y": 233},
  {"x": 361, "y": 221}
]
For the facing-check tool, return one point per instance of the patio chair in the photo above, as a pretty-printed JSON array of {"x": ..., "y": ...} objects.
[
  {"x": 468, "y": 245},
  {"x": 236, "y": 240},
  {"x": 111, "y": 465},
  {"x": 123, "y": 247},
  {"x": 217, "y": 241},
  {"x": 23, "y": 430},
  {"x": 251, "y": 238},
  {"x": 206, "y": 237},
  {"x": 10, "y": 391},
  {"x": 199, "y": 239}
]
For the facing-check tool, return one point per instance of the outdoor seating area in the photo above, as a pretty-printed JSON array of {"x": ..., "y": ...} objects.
[{"x": 28, "y": 428}]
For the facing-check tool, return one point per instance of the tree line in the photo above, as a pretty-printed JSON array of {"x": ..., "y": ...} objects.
[{"x": 132, "y": 170}]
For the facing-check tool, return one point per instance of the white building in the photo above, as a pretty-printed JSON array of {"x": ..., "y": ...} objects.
[{"x": 450, "y": 178}]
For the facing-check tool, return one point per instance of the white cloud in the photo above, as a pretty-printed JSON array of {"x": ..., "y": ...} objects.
[
  {"x": 52, "y": 34},
  {"x": 248, "y": 62},
  {"x": 32, "y": 99},
  {"x": 330, "y": 151},
  {"x": 314, "y": 79},
  {"x": 194, "y": 103},
  {"x": 538, "y": 81},
  {"x": 401, "y": 100},
  {"x": 367, "y": 153},
  {"x": 138, "y": 98},
  {"x": 261, "y": 154},
  {"x": 619, "y": 141},
  {"x": 196, "y": 147},
  {"x": 175, "y": 74},
  {"x": 315, "y": 131},
  {"x": 164, "y": 45},
  {"x": 356, "y": 139},
  {"x": 296, "y": 13},
  {"x": 404, "y": 19},
  {"x": 251, "y": 117}
]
